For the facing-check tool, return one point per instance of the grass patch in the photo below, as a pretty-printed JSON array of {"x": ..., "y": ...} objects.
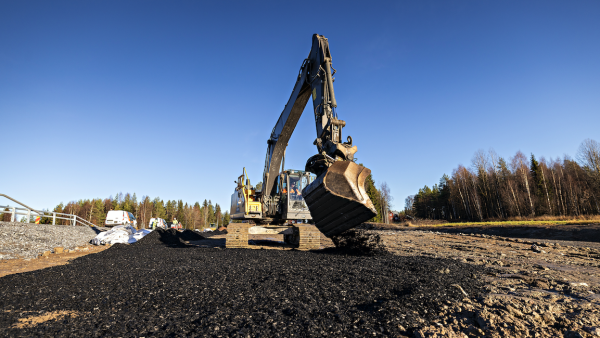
[{"x": 500, "y": 223}]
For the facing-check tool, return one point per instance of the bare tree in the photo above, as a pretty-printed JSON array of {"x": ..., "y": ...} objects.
[
  {"x": 408, "y": 205},
  {"x": 518, "y": 162},
  {"x": 588, "y": 155},
  {"x": 145, "y": 211},
  {"x": 386, "y": 199}
]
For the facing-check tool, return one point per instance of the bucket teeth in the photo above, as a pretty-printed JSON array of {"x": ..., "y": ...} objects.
[{"x": 337, "y": 199}]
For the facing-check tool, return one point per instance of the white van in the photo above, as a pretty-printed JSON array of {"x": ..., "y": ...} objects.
[
  {"x": 160, "y": 223},
  {"x": 120, "y": 217}
]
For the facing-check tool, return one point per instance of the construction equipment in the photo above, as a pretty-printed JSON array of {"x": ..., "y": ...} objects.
[{"x": 336, "y": 199}]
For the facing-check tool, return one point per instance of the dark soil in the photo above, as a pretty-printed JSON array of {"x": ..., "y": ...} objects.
[
  {"x": 169, "y": 237},
  {"x": 188, "y": 235},
  {"x": 162, "y": 287},
  {"x": 214, "y": 233}
]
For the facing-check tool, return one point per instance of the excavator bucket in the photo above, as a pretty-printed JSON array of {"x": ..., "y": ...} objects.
[{"x": 337, "y": 199}]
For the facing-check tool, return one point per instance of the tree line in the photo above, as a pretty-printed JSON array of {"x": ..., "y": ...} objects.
[
  {"x": 196, "y": 216},
  {"x": 381, "y": 198},
  {"x": 520, "y": 186}
]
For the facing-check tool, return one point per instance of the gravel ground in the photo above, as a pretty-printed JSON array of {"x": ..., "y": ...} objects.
[
  {"x": 28, "y": 240},
  {"x": 162, "y": 287},
  {"x": 538, "y": 287}
]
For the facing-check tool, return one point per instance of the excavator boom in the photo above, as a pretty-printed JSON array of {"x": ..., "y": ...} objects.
[{"x": 337, "y": 199}]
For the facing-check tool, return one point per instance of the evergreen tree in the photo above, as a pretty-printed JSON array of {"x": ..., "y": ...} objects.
[
  {"x": 127, "y": 204},
  {"x": 170, "y": 211},
  {"x": 373, "y": 194},
  {"x": 115, "y": 202},
  {"x": 98, "y": 214},
  {"x": 211, "y": 213},
  {"x": 159, "y": 209},
  {"x": 444, "y": 198},
  {"x": 226, "y": 218},
  {"x": 205, "y": 213},
  {"x": 218, "y": 214},
  {"x": 538, "y": 186},
  {"x": 180, "y": 211}
]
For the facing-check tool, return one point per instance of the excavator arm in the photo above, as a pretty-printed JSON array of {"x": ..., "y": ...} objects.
[
  {"x": 337, "y": 199},
  {"x": 315, "y": 78}
]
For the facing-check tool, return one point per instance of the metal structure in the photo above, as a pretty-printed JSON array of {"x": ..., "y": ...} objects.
[
  {"x": 28, "y": 212},
  {"x": 336, "y": 199}
]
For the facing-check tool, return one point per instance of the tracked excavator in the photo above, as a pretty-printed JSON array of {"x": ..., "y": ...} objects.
[{"x": 333, "y": 198}]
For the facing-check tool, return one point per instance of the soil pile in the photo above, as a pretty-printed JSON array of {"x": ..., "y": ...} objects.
[
  {"x": 188, "y": 235},
  {"x": 214, "y": 233},
  {"x": 170, "y": 237},
  {"x": 359, "y": 242},
  {"x": 155, "y": 288}
]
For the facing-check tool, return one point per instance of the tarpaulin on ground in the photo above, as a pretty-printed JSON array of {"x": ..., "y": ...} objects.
[{"x": 120, "y": 234}]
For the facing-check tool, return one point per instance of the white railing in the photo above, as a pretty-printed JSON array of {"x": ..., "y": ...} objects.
[{"x": 28, "y": 212}]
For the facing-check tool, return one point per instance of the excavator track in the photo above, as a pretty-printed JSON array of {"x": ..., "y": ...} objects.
[
  {"x": 337, "y": 199},
  {"x": 303, "y": 237}
]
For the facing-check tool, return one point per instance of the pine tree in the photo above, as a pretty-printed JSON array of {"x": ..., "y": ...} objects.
[
  {"x": 226, "y": 218},
  {"x": 98, "y": 214},
  {"x": 373, "y": 194},
  {"x": 218, "y": 214},
  {"x": 127, "y": 204},
  {"x": 205, "y": 213},
  {"x": 170, "y": 211},
  {"x": 538, "y": 186},
  {"x": 159, "y": 209},
  {"x": 180, "y": 211},
  {"x": 211, "y": 212}
]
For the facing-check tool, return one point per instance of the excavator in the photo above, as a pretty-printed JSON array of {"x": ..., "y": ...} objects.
[{"x": 329, "y": 195}]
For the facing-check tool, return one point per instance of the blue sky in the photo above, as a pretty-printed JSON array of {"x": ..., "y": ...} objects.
[{"x": 173, "y": 99}]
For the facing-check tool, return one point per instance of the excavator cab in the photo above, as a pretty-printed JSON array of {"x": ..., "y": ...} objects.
[{"x": 289, "y": 188}]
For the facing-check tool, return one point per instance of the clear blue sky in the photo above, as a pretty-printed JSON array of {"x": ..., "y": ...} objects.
[{"x": 174, "y": 98}]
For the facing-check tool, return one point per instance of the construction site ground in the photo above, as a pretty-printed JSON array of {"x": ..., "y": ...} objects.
[{"x": 534, "y": 281}]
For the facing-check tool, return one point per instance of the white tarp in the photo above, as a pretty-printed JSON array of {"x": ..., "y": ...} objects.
[{"x": 120, "y": 234}]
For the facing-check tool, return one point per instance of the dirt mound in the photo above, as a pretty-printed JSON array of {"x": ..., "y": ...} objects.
[
  {"x": 358, "y": 241},
  {"x": 189, "y": 235},
  {"x": 214, "y": 233},
  {"x": 161, "y": 237}
]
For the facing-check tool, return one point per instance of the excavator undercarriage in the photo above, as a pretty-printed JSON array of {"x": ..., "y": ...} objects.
[{"x": 331, "y": 203}]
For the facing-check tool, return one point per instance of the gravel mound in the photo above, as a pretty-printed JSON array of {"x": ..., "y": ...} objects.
[
  {"x": 154, "y": 289},
  {"x": 28, "y": 240}
]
